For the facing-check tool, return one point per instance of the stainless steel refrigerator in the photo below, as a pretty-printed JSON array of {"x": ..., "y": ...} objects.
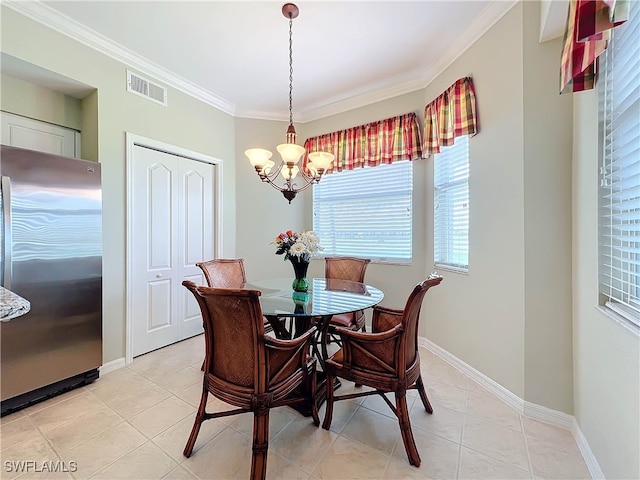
[{"x": 51, "y": 249}]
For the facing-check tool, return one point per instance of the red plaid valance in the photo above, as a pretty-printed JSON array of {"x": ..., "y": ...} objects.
[
  {"x": 451, "y": 115},
  {"x": 370, "y": 145},
  {"x": 589, "y": 25}
]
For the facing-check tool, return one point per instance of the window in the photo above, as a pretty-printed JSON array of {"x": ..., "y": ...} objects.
[
  {"x": 451, "y": 205},
  {"x": 366, "y": 212},
  {"x": 619, "y": 202}
]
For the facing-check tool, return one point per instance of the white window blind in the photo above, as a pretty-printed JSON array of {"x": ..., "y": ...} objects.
[
  {"x": 366, "y": 212},
  {"x": 451, "y": 204},
  {"x": 619, "y": 89}
]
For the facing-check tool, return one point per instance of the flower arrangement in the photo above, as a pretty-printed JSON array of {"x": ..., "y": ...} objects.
[{"x": 303, "y": 246}]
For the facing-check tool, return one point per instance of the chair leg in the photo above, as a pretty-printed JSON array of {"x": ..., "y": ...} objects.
[
  {"x": 196, "y": 425},
  {"x": 423, "y": 395},
  {"x": 309, "y": 386},
  {"x": 260, "y": 444},
  {"x": 328, "y": 414},
  {"x": 405, "y": 428}
]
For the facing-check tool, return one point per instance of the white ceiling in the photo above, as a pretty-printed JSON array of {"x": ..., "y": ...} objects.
[{"x": 234, "y": 54}]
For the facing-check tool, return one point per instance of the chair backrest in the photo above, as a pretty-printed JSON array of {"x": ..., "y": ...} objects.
[
  {"x": 224, "y": 272},
  {"x": 346, "y": 268},
  {"x": 411, "y": 317},
  {"x": 234, "y": 332}
]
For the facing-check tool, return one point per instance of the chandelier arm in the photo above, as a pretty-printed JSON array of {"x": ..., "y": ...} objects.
[
  {"x": 307, "y": 185},
  {"x": 273, "y": 174},
  {"x": 309, "y": 178}
]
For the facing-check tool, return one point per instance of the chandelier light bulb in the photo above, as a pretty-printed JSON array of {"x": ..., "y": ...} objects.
[{"x": 290, "y": 175}]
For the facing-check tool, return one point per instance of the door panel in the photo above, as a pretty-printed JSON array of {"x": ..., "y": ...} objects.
[
  {"x": 159, "y": 311},
  {"x": 191, "y": 317},
  {"x": 154, "y": 235},
  {"x": 172, "y": 229},
  {"x": 194, "y": 217},
  {"x": 197, "y": 243},
  {"x": 159, "y": 208}
]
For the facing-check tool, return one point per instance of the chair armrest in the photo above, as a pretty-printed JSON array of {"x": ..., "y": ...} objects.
[
  {"x": 279, "y": 344},
  {"x": 353, "y": 335},
  {"x": 384, "y": 318}
]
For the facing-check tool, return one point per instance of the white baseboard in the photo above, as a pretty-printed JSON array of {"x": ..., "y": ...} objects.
[
  {"x": 528, "y": 409},
  {"x": 498, "y": 390},
  {"x": 587, "y": 454},
  {"x": 112, "y": 366},
  {"x": 548, "y": 415}
]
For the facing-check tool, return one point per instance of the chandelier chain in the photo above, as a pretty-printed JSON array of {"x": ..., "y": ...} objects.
[{"x": 290, "y": 71}]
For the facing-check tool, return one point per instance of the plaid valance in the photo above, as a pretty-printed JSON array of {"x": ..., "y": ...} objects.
[
  {"x": 451, "y": 115},
  {"x": 370, "y": 145},
  {"x": 588, "y": 29}
]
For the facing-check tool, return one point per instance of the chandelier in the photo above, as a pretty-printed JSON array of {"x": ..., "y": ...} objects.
[{"x": 318, "y": 162}]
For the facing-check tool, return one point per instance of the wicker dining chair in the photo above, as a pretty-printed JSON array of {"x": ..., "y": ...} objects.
[
  {"x": 352, "y": 269},
  {"x": 248, "y": 369},
  {"x": 226, "y": 273},
  {"x": 386, "y": 360}
]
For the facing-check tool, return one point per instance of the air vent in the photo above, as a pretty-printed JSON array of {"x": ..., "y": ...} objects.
[{"x": 146, "y": 88}]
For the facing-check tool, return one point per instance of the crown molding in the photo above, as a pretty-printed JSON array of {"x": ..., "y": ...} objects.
[
  {"x": 51, "y": 18},
  {"x": 41, "y": 13}
]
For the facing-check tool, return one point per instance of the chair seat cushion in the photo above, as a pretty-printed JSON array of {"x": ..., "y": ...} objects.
[{"x": 342, "y": 320}]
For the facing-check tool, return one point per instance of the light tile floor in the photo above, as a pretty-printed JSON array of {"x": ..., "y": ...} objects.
[{"x": 133, "y": 423}]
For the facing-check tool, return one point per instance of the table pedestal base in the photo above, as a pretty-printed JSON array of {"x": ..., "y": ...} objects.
[{"x": 290, "y": 327}]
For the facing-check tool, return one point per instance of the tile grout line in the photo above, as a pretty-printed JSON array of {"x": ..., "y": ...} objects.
[
  {"x": 526, "y": 446},
  {"x": 464, "y": 424}
]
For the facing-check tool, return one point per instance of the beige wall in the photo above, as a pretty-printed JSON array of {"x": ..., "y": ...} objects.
[
  {"x": 186, "y": 123},
  {"x": 479, "y": 317},
  {"x": 606, "y": 354},
  {"x": 547, "y": 223}
]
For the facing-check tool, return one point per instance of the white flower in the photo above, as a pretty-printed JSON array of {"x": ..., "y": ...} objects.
[
  {"x": 298, "y": 249},
  {"x": 312, "y": 237}
]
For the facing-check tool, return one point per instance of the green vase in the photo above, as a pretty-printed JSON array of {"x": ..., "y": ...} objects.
[{"x": 300, "y": 282}]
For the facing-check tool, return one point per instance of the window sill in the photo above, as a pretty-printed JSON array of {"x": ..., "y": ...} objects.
[
  {"x": 449, "y": 268},
  {"x": 619, "y": 319},
  {"x": 378, "y": 261}
]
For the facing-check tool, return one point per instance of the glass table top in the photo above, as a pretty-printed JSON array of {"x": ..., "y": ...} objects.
[{"x": 326, "y": 296}]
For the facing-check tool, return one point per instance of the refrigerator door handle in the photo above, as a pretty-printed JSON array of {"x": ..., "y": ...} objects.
[{"x": 5, "y": 191}]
